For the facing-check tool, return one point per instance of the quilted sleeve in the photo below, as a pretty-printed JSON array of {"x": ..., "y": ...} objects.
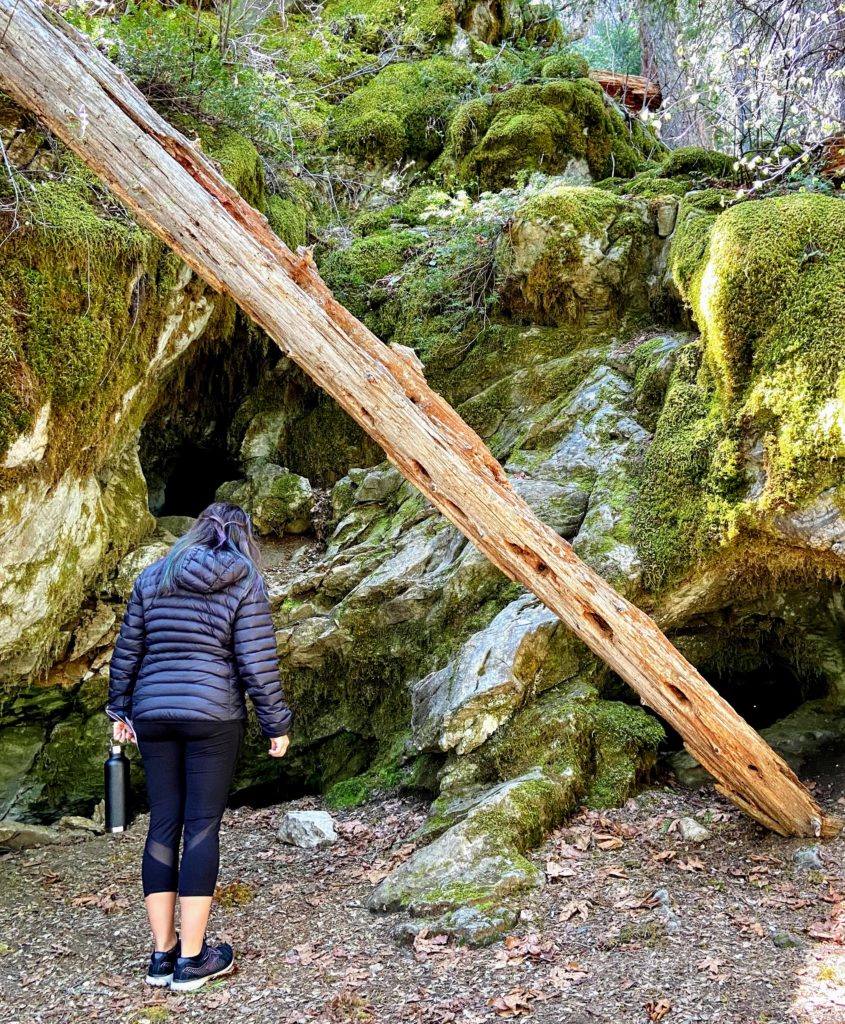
[
  {"x": 128, "y": 654},
  {"x": 258, "y": 662}
]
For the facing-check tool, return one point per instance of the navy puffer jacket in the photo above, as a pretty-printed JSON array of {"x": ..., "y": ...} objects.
[{"x": 190, "y": 654}]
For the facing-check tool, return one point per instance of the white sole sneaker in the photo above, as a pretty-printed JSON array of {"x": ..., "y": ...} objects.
[
  {"x": 159, "y": 981},
  {"x": 195, "y": 983}
]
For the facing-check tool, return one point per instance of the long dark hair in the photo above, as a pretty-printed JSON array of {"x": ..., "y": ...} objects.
[{"x": 220, "y": 527}]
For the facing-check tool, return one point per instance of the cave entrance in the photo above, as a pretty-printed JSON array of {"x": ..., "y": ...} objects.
[
  {"x": 193, "y": 474},
  {"x": 768, "y": 693},
  {"x": 762, "y": 693}
]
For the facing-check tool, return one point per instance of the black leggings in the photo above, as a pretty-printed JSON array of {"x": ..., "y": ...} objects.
[{"x": 189, "y": 768}]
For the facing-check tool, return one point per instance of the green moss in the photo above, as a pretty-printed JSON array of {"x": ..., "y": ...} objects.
[
  {"x": 372, "y": 23},
  {"x": 565, "y": 65},
  {"x": 765, "y": 283},
  {"x": 768, "y": 295},
  {"x": 402, "y": 112},
  {"x": 548, "y": 281},
  {"x": 288, "y": 219},
  {"x": 650, "y": 187},
  {"x": 360, "y": 274},
  {"x": 543, "y": 127},
  {"x": 64, "y": 317},
  {"x": 234, "y": 894},
  {"x": 626, "y": 740},
  {"x": 692, "y": 161}
]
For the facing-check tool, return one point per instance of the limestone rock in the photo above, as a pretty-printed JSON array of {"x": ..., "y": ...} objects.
[
  {"x": 92, "y": 630},
  {"x": 176, "y": 526},
  {"x": 307, "y": 829},
  {"x": 132, "y": 565},
  {"x": 471, "y": 862},
  {"x": 460, "y": 705},
  {"x": 20, "y": 835},
  {"x": 692, "y": 831},
  {"x": 809, "y": 858},
  {"x": 30, "y": 447},
  {"x": 278, "y": 500},
  {"x": 79, "y": 823},
  {"x": 19, "y": 745}
]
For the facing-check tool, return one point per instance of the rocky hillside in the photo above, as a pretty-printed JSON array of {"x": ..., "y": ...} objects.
[{"x": 651, "y": 352}]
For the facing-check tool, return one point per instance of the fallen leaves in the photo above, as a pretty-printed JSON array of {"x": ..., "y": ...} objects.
[
  {"x": 426, "y": 944},
  {"x": 516, "y": 1003},
  {"x": 712, "y": 967},
  {"x": 657, "y": 1009},
  {"x": 747, "y": 924},
  {"x": 830, "y": 928},
  {"x": 631, "y": 902},
  {"x": 350, "y": 1006},
  {"x": 579, "y": 909},
  {"x": 531, "y": 947},
  {"x": 107, "y": 900},
  {"x": 556, "y": 870},
  {"x": 563, "y": 976},
  {"x": 691, "y": 864}
]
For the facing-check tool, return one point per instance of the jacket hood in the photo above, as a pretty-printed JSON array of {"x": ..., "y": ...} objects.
[{"x": 204, "y": 571}]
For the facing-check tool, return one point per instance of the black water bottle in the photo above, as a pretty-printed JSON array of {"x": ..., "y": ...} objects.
[{"x": 117, "y": 788}]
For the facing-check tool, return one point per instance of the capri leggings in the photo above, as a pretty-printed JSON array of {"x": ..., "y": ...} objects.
[{"x": 189, "y": 768}]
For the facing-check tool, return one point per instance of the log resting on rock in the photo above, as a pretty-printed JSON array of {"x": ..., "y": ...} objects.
[{"x": 178, "y": 194}]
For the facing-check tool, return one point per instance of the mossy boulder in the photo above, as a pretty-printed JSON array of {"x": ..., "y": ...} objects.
[
  {"x": 402, "y": 113},
  {"x": 695, "y": 162},
  {"x": 546, "y": 126},
  {"x": 547, "y": 756},
  {"x": 748, "y": 435},
  {"x": 565, "y": 65},
  {"x": 573, "y": 254},
  {"x": 420, "y": 24}
]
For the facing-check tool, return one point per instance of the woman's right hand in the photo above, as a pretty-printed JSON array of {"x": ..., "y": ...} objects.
[{"x": 278, "y": 746}]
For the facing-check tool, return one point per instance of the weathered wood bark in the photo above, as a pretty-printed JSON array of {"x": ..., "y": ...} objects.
[{"x": 179, "y": 195}]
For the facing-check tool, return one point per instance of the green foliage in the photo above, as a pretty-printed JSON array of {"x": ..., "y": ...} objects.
[
  {"x": 174, "y": 56},
  {"x": 402, "y": 112},
  {"x": 613, "y": 45}
]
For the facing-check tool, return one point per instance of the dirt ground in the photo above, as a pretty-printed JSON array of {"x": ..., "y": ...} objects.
[{"x": 633, "y": 925}]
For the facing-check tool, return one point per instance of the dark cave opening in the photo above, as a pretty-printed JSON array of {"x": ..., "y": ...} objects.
[
  {"x": 191, "y": 475},
  {"x": 762, "y": 695}
]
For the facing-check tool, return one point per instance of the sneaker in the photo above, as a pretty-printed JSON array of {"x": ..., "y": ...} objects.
[
  {"x": 192, "y": 972},
  {"x": 161, "y": 966}
]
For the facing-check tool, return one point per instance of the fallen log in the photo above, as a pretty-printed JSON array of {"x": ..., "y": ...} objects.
[
  {"x": 634, "y": 91},
  {"x": 178, "y": 194}
]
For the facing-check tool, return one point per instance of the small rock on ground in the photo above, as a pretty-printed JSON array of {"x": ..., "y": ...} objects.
[{"x": 307, "y": 829}]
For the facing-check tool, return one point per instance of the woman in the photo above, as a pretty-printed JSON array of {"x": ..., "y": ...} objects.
[{"x": 197, "y": 632}]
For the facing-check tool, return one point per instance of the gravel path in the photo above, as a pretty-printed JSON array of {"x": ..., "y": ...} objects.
[{"x": 635, "y": 924}]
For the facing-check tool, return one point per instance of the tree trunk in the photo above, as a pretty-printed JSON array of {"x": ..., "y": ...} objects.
[
  {"x": 659, "y": 26},
  {"x": 176, "y": 192}
]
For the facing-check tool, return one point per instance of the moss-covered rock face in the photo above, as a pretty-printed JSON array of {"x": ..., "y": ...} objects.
[
  {"x": 750, "y": 432},
  {"x": 548, "y": 126},
  {"x": 94, "y": 313},
  {"x": 691, "y": 161},
  {"x": 576, "y": 255}
]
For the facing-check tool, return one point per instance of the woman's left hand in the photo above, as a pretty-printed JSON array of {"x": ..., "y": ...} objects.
[{"x": 122, "y": 733}]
